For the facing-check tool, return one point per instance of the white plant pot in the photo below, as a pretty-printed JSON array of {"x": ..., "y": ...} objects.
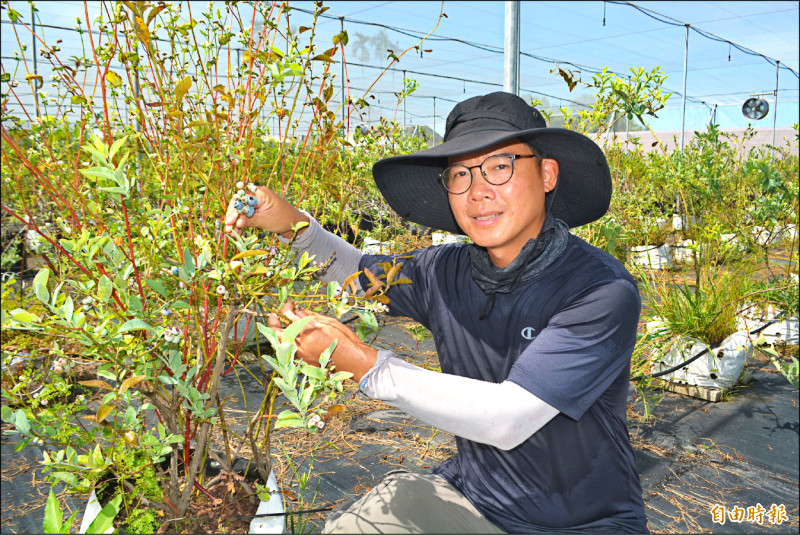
[
  {"x": 679, "y": 223},
  {"x": 266, "y": 524},
  {"x": 270, "y": 524},
  {"x": 765, "y": 236},
  {"x": 373, "y": 246},
  {"x": 790, "y": 232},
  {"x": 785, "y": 330},
  {"x": 442, "y": 238},
  {"x": 719, "y": 367},
  {"x": 732, "y": 241},
  {"x": 652, "y": 256},
  {"x": 682, "y": 251}
]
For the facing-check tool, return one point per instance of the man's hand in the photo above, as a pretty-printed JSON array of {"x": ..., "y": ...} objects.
[
  {"x": 272, "y": 213},
  {"x": 351, "y": 354}
]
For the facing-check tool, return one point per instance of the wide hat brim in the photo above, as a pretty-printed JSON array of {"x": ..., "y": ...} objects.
[{"x": 410, "y": 183}]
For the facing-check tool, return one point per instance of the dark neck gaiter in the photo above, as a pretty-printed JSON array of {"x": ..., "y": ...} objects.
[{"x": 534, "y": 257}]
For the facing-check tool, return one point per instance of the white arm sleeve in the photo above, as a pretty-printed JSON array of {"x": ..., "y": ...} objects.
[
  {"x": 323, "y": 245},
  {"x": 502, "y": 415}
]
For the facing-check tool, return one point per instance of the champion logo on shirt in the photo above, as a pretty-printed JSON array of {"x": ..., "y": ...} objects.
[{"x": 528, "y": 333}]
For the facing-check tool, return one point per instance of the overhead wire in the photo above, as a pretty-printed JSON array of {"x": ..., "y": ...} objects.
[
  {"x": 665, "y": 19},
  {"x": 585, "y": 68}
]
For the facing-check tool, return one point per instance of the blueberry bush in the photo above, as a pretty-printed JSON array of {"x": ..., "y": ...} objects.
[{"x": 125, "y": 175}]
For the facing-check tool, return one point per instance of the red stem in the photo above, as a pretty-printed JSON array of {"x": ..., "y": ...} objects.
[{"x": 133, "y": 257}]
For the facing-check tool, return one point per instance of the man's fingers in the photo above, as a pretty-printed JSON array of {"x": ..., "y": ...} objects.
[
  {"x": 303, "y": 313},
  {"x": 273, "y": 321},
  {"x": 288, "y": 310}
]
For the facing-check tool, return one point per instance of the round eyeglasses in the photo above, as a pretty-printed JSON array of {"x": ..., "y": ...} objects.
[{"x": 496, "y": 170}]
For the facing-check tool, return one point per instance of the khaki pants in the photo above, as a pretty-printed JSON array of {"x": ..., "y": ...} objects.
[{"x": 405, "y": 502}]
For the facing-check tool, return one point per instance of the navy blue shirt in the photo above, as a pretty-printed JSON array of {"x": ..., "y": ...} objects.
[{"x": 566, "y": 336}]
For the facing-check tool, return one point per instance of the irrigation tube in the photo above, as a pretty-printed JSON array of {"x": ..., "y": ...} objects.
[{"x": 703, "y": 352}]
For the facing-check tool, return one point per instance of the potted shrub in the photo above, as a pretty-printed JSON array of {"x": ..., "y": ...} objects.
[{"x": 686, "y": 321}]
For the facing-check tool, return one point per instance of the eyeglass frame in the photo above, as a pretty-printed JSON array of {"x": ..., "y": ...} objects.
[{"x": 483, "y": 174}]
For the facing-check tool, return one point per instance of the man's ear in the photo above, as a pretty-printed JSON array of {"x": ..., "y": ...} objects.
[{"x": 550, "y": 174}]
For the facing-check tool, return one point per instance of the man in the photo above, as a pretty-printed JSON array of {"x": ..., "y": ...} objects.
[{"x": 534, "y": 329}]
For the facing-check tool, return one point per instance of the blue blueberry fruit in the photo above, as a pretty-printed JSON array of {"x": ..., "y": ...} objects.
[
  {"x": 238, "y": 205},
  {"x": 174, "y": 271},
  {"x": 250, "y": 211},
  {"x": 251, "y": 201}
]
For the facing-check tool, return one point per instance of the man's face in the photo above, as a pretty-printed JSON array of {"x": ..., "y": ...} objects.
[{"x": 503, "y": 218}]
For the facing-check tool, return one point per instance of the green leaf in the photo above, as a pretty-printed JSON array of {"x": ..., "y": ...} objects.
[
  {"x": 100, "y": 172},
  {"x": 67, "y": 309},
  {"x": 67, "y": 525},
  {"x": 269, "y": 334},
  {"x": 52, "y": 514},
  {"x": 105, "y": 518},
  {"x": 288, "y": 419},
  {"x": 99, "y": 156},
  {"x": 104, "y": 289},
  {"x": 135, "y": 325},
  {"x": 135, "y": 304},
  {"x": 313, "y": 372},
  {"x": 116, "y": 146},
  {"x": 67, "y": 477},
  {"x": 308, "y": 393},
  {"x": 283, "y": 293},
  {"x": 248, "y": 254},
  {"x": 23, "y": 316},
  {"x": 325, "y": 356},
  {"x": 5, "y": 77},
  {"x": 341, "y": 376},
  {"x": 188, "y": 261},
  {"x": 368, "y": 318},
  {"x": 180, "y": 305},
  {"x": 22, "y": 444},
  {"x": 157, "y": 286},
  {"x": 285, "y": 353},
  {"x": 291, "y": 332},
  {"x": 40, "y": 285},
  {"x": 21, "y": 421},
  {"x": 120, "y": 191}
]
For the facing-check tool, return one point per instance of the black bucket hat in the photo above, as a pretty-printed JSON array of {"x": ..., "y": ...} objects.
[{"x": 411, "y": 186}]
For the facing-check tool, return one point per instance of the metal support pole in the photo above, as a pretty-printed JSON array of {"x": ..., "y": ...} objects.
[
  {"x": 35, "y": 63},
  {"x": 775, "y": 107},
  {"x": 685, "y": 66},
  {"x": 712, "y": 119},
  {"x": 341, "y": 29},
  {"x": 511, "y": 48}
]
